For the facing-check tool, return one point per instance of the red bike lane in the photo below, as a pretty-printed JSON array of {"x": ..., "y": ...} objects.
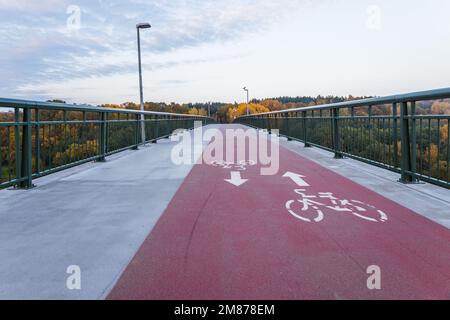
[{"x": 221, "y": 241}]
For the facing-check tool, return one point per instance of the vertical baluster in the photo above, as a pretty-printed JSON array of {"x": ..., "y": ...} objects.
[
  {"x": 9, "y": 154},
  {"x": 407, "y": 175},
  {"x": 413, "y": 141},
  {"x": 421, "y": 146},
  {"x": 26, "y": 163},
  {"x": 395, "y": 131},
  {"x": 336, "y": 137},
  {"x": 305, "y": 129},
  {"x": 136, "y": 132},
  {"x": 103, "y": 134},
  {"x": 37, "y": 143},
  {"x": 17, "y": 125},
  {"x": 448, "y": 150},
  {"x": 430, "y": 170}
]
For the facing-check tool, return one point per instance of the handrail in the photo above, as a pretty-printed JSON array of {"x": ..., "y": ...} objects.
[
  {"x": 32, "y": 146},
  {"x": 17, "y": 103},
  {"x": 415, "y": 145},
  {"x": 408, "y": 97}
]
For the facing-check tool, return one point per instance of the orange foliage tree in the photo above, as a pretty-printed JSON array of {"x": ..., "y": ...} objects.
[{"x": 241, "y": 109}]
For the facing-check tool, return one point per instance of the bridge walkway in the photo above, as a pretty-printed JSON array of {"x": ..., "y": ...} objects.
[{"x": 305, "y": 233}]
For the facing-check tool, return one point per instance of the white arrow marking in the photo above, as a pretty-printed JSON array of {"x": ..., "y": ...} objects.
[
  {"x": 236, "y": 179},
  {"x": 297, "y": 178}
]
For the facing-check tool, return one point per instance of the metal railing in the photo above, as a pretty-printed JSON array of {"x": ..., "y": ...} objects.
[
  {"x": 39, "y": 138},
  {"x": 387, "y": 132}
]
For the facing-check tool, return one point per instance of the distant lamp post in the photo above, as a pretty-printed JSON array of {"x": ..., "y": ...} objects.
[
  {"x": 140, "y": 26},
  {"x": 248, "y": 111}
]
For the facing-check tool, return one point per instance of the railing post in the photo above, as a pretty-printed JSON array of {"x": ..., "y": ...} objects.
[
  {"x": 395, "y": 137},
  {"x": 143, "y": 134},
  {"x": 336, "y": 142},
  {"x": 288, "y": 132},
  {"x": 26, "y": 163},
  {"x": 156, "y": 125},
  {"x": 103, "y": 117},
  {"x": 276, "y": 122},
  {"x": 136, "y": 132},
  {"x": 273, "y": 121},
  {"x": 413, "y": 141},
  {"x": 406, "y": 159},
  {"x": 305, "y": 130},
  {"x": 18, "y": 153},
  {"x": 37, "y": 143}
]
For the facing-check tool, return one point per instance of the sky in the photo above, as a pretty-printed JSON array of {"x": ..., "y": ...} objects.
[{"x": 85, "y": 51}]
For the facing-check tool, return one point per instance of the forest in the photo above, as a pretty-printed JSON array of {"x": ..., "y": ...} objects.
[{"x": 61, "y": 144}]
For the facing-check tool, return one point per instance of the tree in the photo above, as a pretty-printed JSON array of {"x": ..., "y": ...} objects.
[
  {"x": 440, "y": 107},
  {"x": 241, "y": 110},
  {"x": 193, "y": 111},
  {"x": 272, "y": 104},
  {"x": 222, "y": 113},
  {"x": 202, "y": 112}
]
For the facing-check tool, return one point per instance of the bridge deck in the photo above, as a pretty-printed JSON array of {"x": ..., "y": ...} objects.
[
  {"x": 220, "y": 241},
  {"x": 215, "y": 240}
]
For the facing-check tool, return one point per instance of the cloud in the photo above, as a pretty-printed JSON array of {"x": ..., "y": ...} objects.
[
  {"x": 187, "y": 23},
  {"x": 32, "y": 5},
  {"x": 37, "y": 45}
]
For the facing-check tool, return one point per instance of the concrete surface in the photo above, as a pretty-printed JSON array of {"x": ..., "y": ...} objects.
[
  {"x": 95, "y": 216},
  {"x": 426, "y": 199}
]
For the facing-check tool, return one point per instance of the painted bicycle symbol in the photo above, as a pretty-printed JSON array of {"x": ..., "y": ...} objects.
[
  {"x": 325, "y": 202},
  {"x": 240, "y": 166}
]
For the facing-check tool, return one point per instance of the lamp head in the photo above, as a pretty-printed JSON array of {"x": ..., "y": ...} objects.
[{"x": 143, "y": 25}]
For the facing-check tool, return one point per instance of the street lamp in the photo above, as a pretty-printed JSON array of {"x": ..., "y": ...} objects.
[
  {"x": 245, "y": 89},
  {"x": 139, "y": 26}
]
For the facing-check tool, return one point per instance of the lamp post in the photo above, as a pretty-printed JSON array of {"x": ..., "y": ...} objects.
[
  {"x": 248, "y": 111},
  {"x": 140, "y": 26}
]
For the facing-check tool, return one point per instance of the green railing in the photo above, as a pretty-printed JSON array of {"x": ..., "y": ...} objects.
[
  {"x": 39, "y": 138},
  {"x": 388, "y": 132}
]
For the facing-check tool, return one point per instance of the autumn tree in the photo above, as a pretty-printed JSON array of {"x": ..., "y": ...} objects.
[
  {"x": 222, "y": 113},
  {"x": 440, "y": 107},
  {"x": 272, "y": 104},
  {"x": 241, "y": 110}
]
